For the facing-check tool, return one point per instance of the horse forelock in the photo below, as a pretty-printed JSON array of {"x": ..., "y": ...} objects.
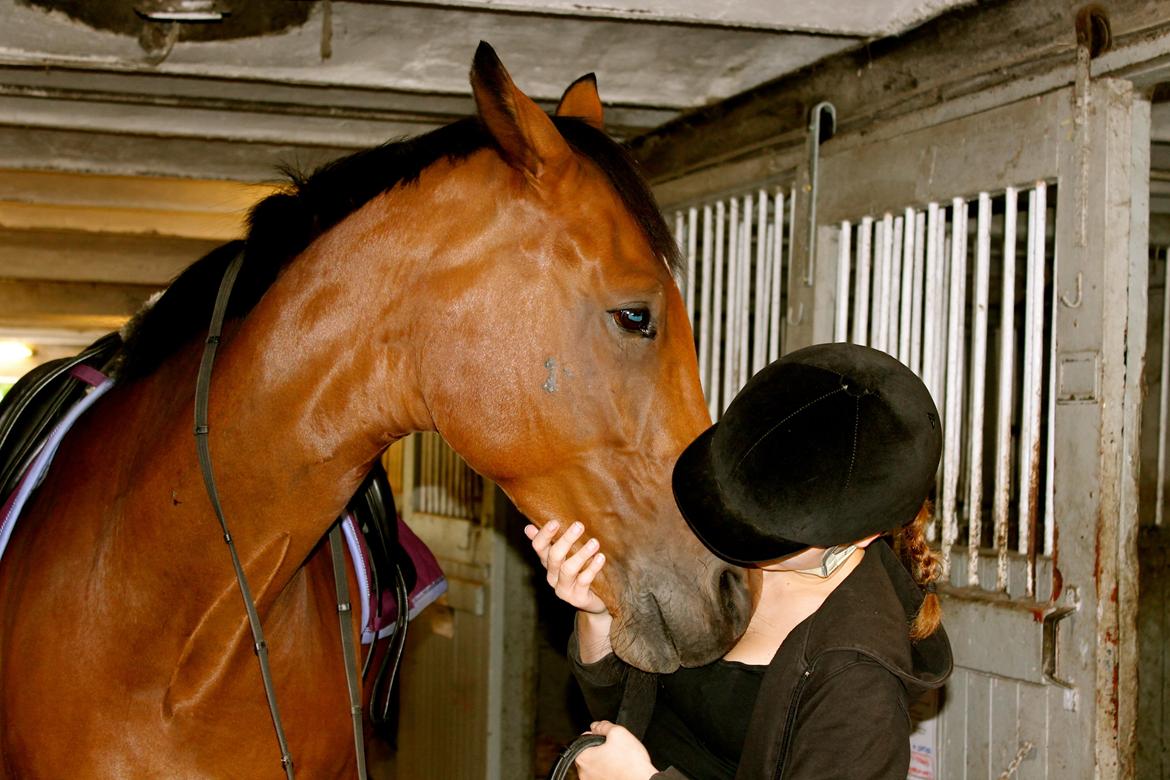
[{"x": 284, "y": 224}]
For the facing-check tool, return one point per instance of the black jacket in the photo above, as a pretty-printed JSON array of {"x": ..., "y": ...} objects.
[{"x": 834, "y": 701}]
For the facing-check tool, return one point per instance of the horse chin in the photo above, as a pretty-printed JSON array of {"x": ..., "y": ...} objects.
[{"x": 649, "y": 650}]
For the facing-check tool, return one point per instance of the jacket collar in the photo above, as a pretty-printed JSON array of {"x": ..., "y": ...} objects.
[{"x": 870, "y": 613}]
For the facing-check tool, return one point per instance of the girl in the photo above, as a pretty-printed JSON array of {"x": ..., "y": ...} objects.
[{"x": 821, "y": 457}]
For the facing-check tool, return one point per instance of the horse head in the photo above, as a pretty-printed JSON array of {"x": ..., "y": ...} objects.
[{"x": 592, "y": 388}]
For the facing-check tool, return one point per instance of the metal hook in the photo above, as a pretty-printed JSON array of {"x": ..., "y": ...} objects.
[
  {"x": 819, "y": 131},
  {"x": 1075, "y": 303},
  {"x": 799, "y": 315}
]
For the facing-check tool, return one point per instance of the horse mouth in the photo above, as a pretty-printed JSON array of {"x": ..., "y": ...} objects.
[{"x": 646, "y": 642}]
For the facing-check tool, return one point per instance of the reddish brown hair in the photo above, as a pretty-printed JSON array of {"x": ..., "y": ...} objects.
[{"x": 924, "y": 566}]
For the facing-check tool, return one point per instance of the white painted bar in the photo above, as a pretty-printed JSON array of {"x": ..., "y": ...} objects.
[
  {"x": 1001, "y": 506},
  {"x": 705, "y": 304},
  {"x": 1030, "y": 433},
  {"x": 1050, "y": 413},
  {"x": 880, "y": 281},
  {"x": 692, "y": 229},
  {"x": 844, "y": 264},
  {"x": 745, "y": 282},
  {"x": 941, "y": 294},
  {"x": 861, "y": 299},
  {"x": 917, "y": 293},
  {"x": 931, "y": 304},
  {"x": 717, "y": 330},
  {"x": 1164, "y": 391},
  {"x": 894, "y": 307},
  {"x": 952, "y": 430},
  {"x": 974, "y": 422},
  {"x": 906, "y": 288},
  {"x": 732, "y": 324},
  {"x": 760, "y": 315},
  {"x": 881, "y": 308},
  {"x": 777, "y": 276}
]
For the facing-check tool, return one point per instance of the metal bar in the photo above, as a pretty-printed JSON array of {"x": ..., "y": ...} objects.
[
  {"x": 883, "y": 279},
  {"x": 1032, "y": 396},
  {"x": 1006, "y": 401},
  {"x": 745, "y": 281},
  {"x": 790, "y": 264},
  {"x": 729, "y": 360},
  {"x": 1164, "y": 390},
  {"x": 1050, "y": 438},
  {"x": 705, "y": 305},
  {"x": 680, "y": 234},
  {"x": 760, "y": 315},
  {"x": 428, "y": 482},
  {"x": 877, "y": 301},
  {"x": 952, "y": 428},
  {"x": 861, "y": 302},
  {"x": 906, "y": 297},
  {"x": 717, "y": 332},
  {"x": 917, "y": 292},
  {"x": 777, "y": 275},
  {"x": 844, "y": 263},
  {"x": 444, "y": 453},
  {"x": 894, "y": 307},
  {"x": 929, "y": 329},
  {"x": 764, "y": 316},
  {"x": 978, "y": 378},
  {"x": 692, "y": 229}
]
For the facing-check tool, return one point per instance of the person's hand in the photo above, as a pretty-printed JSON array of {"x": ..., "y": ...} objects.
[
  {"x": 571, "y": 576},
  {"x": 622, "y": 757}
]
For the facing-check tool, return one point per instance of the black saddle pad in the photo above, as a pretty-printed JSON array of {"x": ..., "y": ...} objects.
[{"x": 38, "y": 400}]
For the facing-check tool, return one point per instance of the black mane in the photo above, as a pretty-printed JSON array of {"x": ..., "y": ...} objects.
[{"x": 284, "y": 224}]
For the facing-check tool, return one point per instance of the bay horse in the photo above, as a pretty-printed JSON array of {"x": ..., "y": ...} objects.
[{"x": 506, "y": 281}]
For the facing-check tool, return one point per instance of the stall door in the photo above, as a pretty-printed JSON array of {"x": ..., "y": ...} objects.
[{"x": 1002, "y": 255}]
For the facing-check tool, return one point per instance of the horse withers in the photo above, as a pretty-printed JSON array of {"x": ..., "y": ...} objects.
[{"x": 506, "y": 281}]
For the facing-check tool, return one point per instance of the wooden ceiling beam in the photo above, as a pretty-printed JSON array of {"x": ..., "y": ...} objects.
[
  {"x": 78, "y": 256},
  {"x": 69, "y": 305}
]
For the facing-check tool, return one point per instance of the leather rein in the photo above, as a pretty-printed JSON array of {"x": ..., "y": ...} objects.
[{"x": 344, "y": 607}]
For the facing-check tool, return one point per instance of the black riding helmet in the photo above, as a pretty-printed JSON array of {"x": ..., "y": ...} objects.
[{"x": 823, "y": 447}]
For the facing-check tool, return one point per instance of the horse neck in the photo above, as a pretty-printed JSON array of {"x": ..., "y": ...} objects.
[{"x": 320, "y": 377}]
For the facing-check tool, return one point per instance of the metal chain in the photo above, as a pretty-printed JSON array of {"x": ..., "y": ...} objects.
[{"x": 1024, "y": 751}]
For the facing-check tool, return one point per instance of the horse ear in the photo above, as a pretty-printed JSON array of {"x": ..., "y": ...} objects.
[
  {"x": 582, "y": 101},
  {"x": 526, "y": 136}
]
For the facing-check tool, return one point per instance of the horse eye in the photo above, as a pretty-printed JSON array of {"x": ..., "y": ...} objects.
[{"x": 635, "y": 321}]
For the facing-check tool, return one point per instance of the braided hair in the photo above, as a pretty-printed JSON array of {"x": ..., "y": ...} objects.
[{"x": 924, "y": 566}]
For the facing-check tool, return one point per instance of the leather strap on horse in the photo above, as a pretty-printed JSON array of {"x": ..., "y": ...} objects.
[
  {"x": 202, "y": 394},
  {"x": 344, "y": 611}
]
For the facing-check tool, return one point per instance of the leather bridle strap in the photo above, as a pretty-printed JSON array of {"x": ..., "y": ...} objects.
[
  {"x": 202, "y": 393},
  {"x": 344, "y": 610}
]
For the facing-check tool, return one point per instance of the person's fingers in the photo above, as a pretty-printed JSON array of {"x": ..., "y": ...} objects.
[
  {"x": 531, "y": 531},
  {"x": 601, "y": 727},
  {"x": 574, "y": 562},
  {"x": 543, "y": 539},
  {"x": 585, "y": 578},
  {"x": 561, "y": 547}
]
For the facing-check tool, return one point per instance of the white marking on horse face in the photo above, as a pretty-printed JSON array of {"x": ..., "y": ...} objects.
[{"x": 550, "y": 384}]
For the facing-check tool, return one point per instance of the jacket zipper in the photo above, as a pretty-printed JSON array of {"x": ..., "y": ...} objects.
[{"x": 790, "y": 722}]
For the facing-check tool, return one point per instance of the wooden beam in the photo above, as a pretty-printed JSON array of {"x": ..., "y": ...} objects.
[
  {"x": 69, "y": 305},
  {"x": 962, "y": 53},
  {"x": 197, "y": 209},
  {"x": 77, "y": 256}
]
